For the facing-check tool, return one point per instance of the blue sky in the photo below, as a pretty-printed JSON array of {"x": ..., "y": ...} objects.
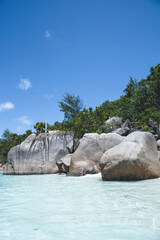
[{"x": 85, "y": 47}]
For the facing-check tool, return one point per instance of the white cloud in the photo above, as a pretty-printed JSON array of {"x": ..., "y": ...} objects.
[
  {"x": 48, "y": 34},
  {"x": 48, "y": 96},
  {"x": 6, "y": 106},
  {"x": 25, "y": 83},
  {"x": 24, "y": 120}
]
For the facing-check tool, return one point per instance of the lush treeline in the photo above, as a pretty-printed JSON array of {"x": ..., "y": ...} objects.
[
  {"x": 139, "y": 102},
  {"x": 10, "y": 140}
]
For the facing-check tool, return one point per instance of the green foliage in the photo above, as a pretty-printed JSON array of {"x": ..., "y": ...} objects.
[
  {"x": 40, "y": 127},
  {"x": 111, "y": 108},
  {"x": 70, "y": 105},
  {"x": 148, "y": 92},
  {"x": 8, "y": 141},
  {"x": 6, "y": 134},
  {"x": 99, "y": 132},
  {"x": 87, "y": 120},
  {"x": 131, "y": 87}
]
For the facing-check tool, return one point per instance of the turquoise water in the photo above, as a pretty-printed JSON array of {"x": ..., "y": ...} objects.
[{"x": 46, "y": 207}]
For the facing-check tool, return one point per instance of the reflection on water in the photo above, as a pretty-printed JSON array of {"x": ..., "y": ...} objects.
[{"x": 46, "y": 207}]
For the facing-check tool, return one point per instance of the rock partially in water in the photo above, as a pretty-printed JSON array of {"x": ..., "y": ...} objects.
[
  {"x": 87, "y": 156},
  {"x": 136, "y": 158},
  {"x": 38, "y": 154}
]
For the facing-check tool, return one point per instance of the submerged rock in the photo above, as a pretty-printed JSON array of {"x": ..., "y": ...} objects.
[
  {"x": 87, "y": 156},
  {"x": 136, "y": 158},
  {"x": 38, "y": 154}
]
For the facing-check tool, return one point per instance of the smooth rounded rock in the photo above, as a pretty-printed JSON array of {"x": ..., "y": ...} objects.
[
  {"x": 136, "y": 158},
  {"x": 38, "y": 154}
]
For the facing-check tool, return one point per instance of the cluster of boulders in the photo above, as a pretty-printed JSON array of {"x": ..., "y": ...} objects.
[
  {"x": 134, "y": 157},
  {"x": 91, "y": 148},
  {"x": 123, "y": 127},
  {"x": 115, "y": 124}
]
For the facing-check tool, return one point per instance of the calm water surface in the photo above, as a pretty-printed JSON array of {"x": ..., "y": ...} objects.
[{"x": 47, "y": 207}]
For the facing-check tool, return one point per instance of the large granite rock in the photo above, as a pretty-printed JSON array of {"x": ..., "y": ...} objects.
[
  {"x": 136, "y": 158},
  {"x": 87, "y": 156},
  {"x": 38, "y": 154}
]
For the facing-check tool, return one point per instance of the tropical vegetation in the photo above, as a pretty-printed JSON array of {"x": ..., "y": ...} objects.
[{"x": 139, "y": 103}]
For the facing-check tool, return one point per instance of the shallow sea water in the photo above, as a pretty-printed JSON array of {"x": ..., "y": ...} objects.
[{"x": 47, "y": 207}]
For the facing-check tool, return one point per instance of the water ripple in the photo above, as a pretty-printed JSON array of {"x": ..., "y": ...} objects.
[{"x": 47, "y": 207}]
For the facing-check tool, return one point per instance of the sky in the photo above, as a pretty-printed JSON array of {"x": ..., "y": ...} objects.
[{"x": 84, "y": 47}]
